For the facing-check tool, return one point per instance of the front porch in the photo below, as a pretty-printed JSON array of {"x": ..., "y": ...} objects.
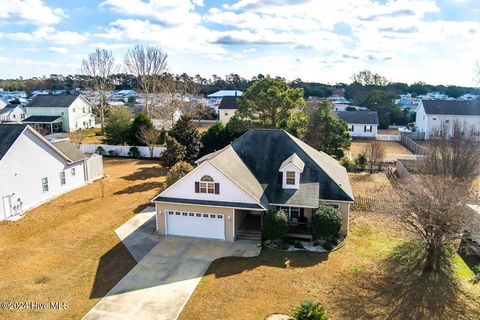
[{"x": 248, "y": 223}]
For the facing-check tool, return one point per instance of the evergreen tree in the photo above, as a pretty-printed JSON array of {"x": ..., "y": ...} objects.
[{"x": 187, "y": 135}]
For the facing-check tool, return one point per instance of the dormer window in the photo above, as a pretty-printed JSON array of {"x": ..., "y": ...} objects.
[
  {"x": 290, "y": 177},
  {"x": 291, "y": 170},
  {"x": 207, "y": 185}
]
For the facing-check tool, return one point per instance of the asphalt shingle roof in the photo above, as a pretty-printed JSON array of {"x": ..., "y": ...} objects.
[
  {"x": 447, "y": 107},
  {"x": 358, "y": 117},
  {"x": 42, "y": 119},
  {"x": 57, "y": 101},
  {"x": 229, "y": 103},
  {"x": 9, "y": 133},
  {"x": 208, "y": 202},
  {"x": 68, "y": 149}
]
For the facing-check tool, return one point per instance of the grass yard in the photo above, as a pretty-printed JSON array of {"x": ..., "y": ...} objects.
[
  {"x": 352, "y": 283},
  {"x": 393, "y": 149},
  {"x": 91, "y": 136},
  {"x": 66, "y": 250}
]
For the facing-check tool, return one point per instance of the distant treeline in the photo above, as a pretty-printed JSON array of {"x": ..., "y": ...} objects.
[{"x": 122, "y": 81}]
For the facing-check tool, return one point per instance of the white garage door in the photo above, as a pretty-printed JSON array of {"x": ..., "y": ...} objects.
[{"x": 193, "y": 224}]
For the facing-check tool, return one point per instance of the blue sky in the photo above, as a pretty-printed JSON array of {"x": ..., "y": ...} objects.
[{"x": 436, "y": 41}]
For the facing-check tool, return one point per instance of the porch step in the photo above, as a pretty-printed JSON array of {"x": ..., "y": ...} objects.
[{"x": 249, "y": 235}]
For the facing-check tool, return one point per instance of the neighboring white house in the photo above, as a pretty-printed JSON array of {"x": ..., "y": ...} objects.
[
  {"x": 226, "y": 195},
  {"x": 361, "y": 124},
  {"x": 56, "y": 113},
  {"x": 228, "y": 107},
  {"x": 12, "y": 113},
  {"x": 33, "y": 170},
  {"x": 432, "y": 114}
]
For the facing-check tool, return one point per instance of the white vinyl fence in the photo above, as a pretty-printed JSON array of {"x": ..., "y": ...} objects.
[
  {"x": 120, "y": 151},
  {"x": 389, "y": 137}
]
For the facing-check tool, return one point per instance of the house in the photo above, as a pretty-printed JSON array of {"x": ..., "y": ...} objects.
[
  {"x": 215, "y": 98},
  {"x": 57, "y": 113},
  {"x": 12, "y": 113},
  {"x": 228, "y": 107},
  {"x": 225, "y": 196},
  {"x": 361, "y": 124},
  {"x": 3, "y": 103},
  {"x": 433, "y": 114},
  {"x": 34, "y": 170}
]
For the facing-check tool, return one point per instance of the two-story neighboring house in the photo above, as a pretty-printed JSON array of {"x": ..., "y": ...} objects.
[
  {"x": 227, "y": 194},
  {"x": 12, "y": 113},
  {"x": 228, "y": 107},
  {"x": 433, "y": 114},
  {"x": 361, "y": 124},
  {"x": 57, "y": 113}
]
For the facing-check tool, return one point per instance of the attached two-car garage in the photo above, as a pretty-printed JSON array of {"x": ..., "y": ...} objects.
[{"x": 194, "y": 224}]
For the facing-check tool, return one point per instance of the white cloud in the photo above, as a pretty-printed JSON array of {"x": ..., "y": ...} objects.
[
  {"x": 62, "y": 50},
  {"x": 47, "y": 34},
  {"x": 31, "y": 11}
]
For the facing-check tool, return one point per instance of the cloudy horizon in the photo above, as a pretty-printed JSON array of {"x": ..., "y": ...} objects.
[{"x": 434, "y": 41}]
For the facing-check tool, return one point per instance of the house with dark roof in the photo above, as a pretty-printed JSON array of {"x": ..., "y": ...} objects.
[
  {"x": 361, "y": 124},
  {"x": 34, "y": 170},
  {"x": 225, "y": 196},
  {"x": 434, "y": 114},
  {"x": 228, "y": 107},
  {"x": 59, "y": 113},
  {"x": 12, "y": 113}
]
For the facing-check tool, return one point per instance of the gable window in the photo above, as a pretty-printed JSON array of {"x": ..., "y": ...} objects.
[
  {"x": 45, "y": 184},
  {"x": 367, "y": 129},
  {"x": 62, "y": 178},
  {"x": 290, "y": 178},
  {"x": 350, "y": 128},
  {"x": 434, "y": 119},
  {"x": 73, "y": 171},
  {"x": 226, "y": 113},
  {"x": 207, "y": 185}
]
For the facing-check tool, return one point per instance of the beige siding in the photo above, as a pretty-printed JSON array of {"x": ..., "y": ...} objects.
[
  {"x": 227, "y": 212},
  {"x": 344, "y": 211},
  {"x": 226, "y": 114}
]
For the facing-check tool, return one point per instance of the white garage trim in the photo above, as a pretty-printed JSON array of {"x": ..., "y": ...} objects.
[{"x": 195, "y": 224}]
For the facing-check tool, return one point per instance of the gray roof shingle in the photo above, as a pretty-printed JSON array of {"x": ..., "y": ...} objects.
[
  {"x": 42, "y": 119},
  {"x": 68, "y": 149},
  {"x": 447, "y": 107},
  {"x": 208, "y": 202},
  {"x": 229, "y": 102},
  {"x": 57, "y": 101},
  {"x": 358, "y": 117},
  {"x": 9, "y": 133}
]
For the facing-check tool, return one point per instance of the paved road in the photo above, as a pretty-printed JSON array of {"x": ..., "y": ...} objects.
[{"x": 159, "y": 286}]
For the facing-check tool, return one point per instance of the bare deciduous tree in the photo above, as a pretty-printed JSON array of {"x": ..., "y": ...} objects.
[
  {"x": 375, "y": 152},
  {"x": 76, "y": 137},
  {"x": 454, "y": 150},
  {"x": 147, "y": 63},
  {"x": 368, "y": 78},
  {"x": 150, "y": 137},
  {"x": 434, "y": 208},
  {"x": 100, "y": 65}
]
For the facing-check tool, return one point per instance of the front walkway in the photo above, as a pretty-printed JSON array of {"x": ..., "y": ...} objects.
[{"x": 159, "y": 286}]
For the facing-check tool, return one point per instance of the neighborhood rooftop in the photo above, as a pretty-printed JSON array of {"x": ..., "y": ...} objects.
[
  {"x": 8, "y": 135},
  {"x": 229, "y": 102},
  {"x": 46, "y": 101},
  {"x": 465, "y": 108},
  {"x": 358, "y": 117}
]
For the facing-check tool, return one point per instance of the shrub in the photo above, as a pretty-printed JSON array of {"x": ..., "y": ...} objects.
[
  {"x": 327, "y": 245},
  {"x": 178, "y": 171},
  {"x": 112, "y": 153},
  {"x": 275, "y": 225},
  {"x": 100, "y": 151},
  {"x": 175, "y": 153},
  {"x": 134, "y": 152},
  {"x": 361, "y": 161},
  {"x": 326, "y": 222},
  {"x": 309, "y": 310},
  {"x": 476, "y": 274},
  {"x": 347, "y": 163},
  {"x": 298, "y": 245}
]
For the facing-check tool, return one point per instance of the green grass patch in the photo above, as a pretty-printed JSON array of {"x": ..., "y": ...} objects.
[
  {"x": 462, "y": 269},
  {"x": 355, "y": 267}
]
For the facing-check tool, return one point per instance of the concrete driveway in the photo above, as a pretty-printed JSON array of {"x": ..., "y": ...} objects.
[{"x": 159, "y": 286}]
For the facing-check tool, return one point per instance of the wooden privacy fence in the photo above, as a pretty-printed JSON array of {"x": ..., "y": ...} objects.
[
  {"x": 362, "y": 203},
  {"x": 389, "y": 137},
  {"x": 412, "y": 145}
]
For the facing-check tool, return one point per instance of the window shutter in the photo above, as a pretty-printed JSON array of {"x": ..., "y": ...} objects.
[
  {"x": 217, "y": 188},
  {"x": 197, "y": 187}
]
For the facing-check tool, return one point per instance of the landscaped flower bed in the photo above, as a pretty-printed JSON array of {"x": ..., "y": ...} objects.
[{"x": 298, "y": 245}]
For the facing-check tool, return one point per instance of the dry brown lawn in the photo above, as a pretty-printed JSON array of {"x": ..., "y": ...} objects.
[
  {"x": 393, "y": 149},
  {"x": 92, "y": 136},
  {"x": 66, "y": 250},
  {"x": 351, "y": 282}
]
